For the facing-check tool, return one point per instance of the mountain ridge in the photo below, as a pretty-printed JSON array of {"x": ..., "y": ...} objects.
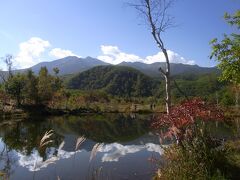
[
  {"x": 69, "y": 65},
  {"x": 115, "y": 80},
  {"x": 73, "y": 65},
  {"x": 176, "y": 68}
]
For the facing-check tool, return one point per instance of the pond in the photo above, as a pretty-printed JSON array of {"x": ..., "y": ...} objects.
[{"x": 125, "y": 150}]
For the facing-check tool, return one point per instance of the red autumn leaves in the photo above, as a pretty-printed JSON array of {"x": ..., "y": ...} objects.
[{"x": 181, "y": 119}]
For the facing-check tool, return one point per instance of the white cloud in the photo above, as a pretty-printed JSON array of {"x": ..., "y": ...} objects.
[
  {"x": 110, "y": 50},
  {"x": 61, "y": 53},
  {"x": 173, "y": 58},
  {"x": 113, "y": 55},
  {"x": 30, "y": 52}
]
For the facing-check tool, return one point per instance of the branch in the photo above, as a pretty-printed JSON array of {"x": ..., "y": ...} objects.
[
  {"x": 162, "y": 71},
  {"x": 140, "y": 7},
  {"x": 153, "y": 26}
]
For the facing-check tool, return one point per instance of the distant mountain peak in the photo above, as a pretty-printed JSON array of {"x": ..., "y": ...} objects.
[
  {"x": 74, "y": 64},
  {"x": 69, "y": 64}
]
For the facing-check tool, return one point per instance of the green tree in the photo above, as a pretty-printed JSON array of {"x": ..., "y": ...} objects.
[
  {"x": 14, "y": 87},
  {"x": 227, "y": 99},
  {"x": 47, "y": 85},
  {"x": 57, "y": 82},
  {"x": 227, "y": 53},
  {"x": 56, "y": 71},
  {"x": 30, "y": 89},
  {"x": 44, "y": 86}
]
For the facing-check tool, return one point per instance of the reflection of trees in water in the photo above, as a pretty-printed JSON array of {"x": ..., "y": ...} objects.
[
  {"x": 25, "y": 136},
  {"x": 7, "y": 162},
  {"x": 104, "y": 128}
]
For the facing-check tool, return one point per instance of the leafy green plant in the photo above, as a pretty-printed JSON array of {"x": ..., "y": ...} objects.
[{"x": 227, "y": 51}]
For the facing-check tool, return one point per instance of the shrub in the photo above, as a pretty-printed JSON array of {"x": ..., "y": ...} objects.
[
  {"x": 196, "y": 155},
  {"x": 181, "y": 121}
]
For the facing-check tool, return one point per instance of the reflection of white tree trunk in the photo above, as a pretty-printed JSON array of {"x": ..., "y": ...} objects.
[{"x": 8, "y": 162}]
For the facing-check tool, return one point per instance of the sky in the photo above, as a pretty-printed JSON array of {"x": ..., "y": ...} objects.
[{"x": 45, "y": 30}]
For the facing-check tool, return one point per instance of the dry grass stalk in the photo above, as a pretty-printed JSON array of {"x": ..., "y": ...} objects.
[
  {"x": 95, "y": 149},
  {"x": 61, "y": 146},
  {"x": 45, "y": 139},
  {"x": 80, "y": 140}
]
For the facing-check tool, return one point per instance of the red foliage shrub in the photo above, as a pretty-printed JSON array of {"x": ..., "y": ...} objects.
[{"x": 182, "y": 117}]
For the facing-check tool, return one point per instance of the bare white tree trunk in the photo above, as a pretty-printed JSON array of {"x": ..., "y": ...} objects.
[
  {"x": 155, "y": 13},
  {"x": 166, "y": 75},
  {"x": 168, "y": 94},
  {"x": 160, "y": 44}
]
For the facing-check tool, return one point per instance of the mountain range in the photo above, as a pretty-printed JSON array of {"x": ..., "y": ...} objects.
[
  {"x": 176, "y": 68},
  {"x": 72, "y": 65},
  {"x": 69, "y": 65}
]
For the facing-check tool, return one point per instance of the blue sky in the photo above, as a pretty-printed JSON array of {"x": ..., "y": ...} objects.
[{"x": 44, "y": 30}]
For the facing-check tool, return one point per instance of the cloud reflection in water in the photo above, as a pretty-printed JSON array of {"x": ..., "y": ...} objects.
[
  {"x": 110, "y": 153},
  {"x": 114, "y": 151}
]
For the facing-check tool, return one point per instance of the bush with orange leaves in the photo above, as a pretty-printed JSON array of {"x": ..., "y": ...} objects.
[
  {"x": 181, "y": 121},
  {"x": 197, "y": 154}
]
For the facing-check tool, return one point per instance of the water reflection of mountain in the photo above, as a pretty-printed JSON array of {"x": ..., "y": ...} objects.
[
  {"x": 126, "y": 139},
  {"x": 121, "y": 135},
  {"x": 24, "y": 136},
  {"x": 104, "y": 128}
]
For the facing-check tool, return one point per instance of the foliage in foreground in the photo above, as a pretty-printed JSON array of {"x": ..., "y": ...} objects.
[
  {"x": 197, "y": 154},
  {"x": 202, "y": 158},
  {"x": 181, "y": 122},
  {"x": 198, "y": 161}
]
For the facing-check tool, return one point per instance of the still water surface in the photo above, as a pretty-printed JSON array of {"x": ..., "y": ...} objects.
[{"x": 127, "y": 147}]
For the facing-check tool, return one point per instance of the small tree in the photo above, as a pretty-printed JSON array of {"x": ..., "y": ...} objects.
[
  {"x": 56, "y": 71},
  {"x": 57, "y": 83},
  {"x": 8, "y": 61},
  {"x": 44, "y": 86},
  {"x": 30, "y": 89},
  {"x": 47, "y": 85},
  {"x": 155, "y": 13},
  {"x": 14, "y": 87}
]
